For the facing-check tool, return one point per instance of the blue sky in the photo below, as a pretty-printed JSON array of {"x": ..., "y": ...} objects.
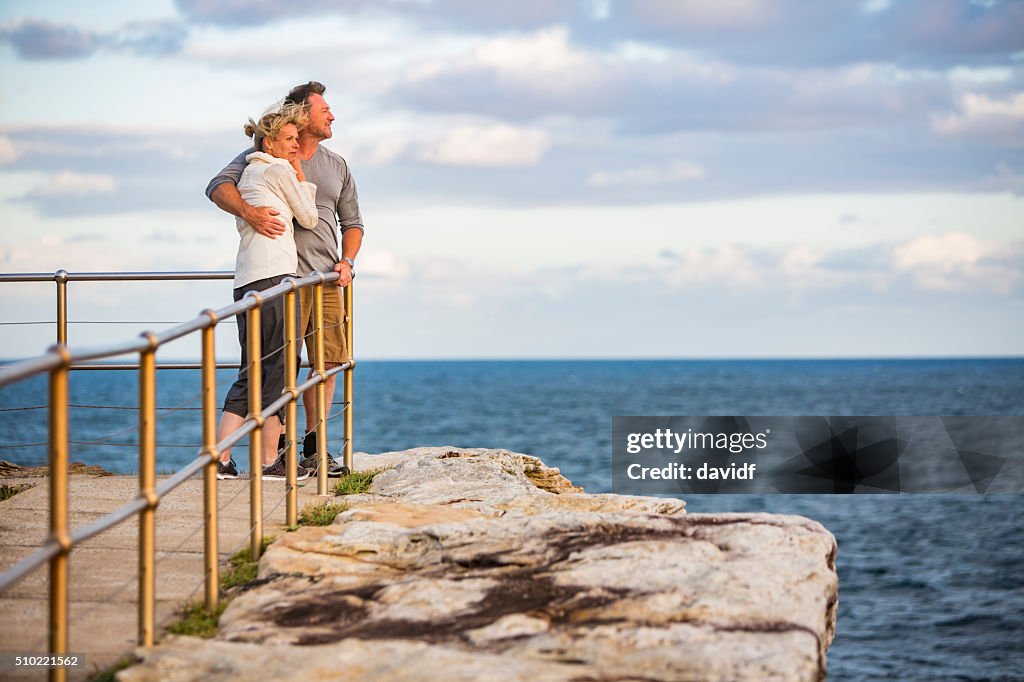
[{"x": 710, "y": 178}]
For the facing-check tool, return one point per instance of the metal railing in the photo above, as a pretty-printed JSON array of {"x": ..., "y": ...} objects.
[
  {"x": 60, "y": 359},
  {"x": 63, "y": 277}
]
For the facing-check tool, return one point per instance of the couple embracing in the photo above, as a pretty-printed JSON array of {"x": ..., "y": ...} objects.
[{"x": 286, "y": 175}]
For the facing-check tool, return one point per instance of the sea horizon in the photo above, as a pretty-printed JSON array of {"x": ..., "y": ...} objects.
[{"x": 745, "y": 358}]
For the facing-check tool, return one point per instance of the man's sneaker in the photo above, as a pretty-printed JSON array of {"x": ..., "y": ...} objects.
[
  {"x": 227, "y": 470},
  {"x": 276, "y": 471},
  {"x": 334, "y": 468}
]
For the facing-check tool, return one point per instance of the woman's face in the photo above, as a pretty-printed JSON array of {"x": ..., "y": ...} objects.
[{"x": 285, "y": 145}]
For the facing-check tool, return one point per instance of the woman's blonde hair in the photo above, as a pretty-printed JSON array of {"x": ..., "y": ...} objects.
[{"x": 272, "y": 121}]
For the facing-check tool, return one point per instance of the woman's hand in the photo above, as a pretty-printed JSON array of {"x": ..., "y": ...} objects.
[{"x": 297, "y": 165}]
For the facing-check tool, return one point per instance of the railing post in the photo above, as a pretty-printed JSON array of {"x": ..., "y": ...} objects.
[
  {"x": 147, "y": 490},
  {"x": 61, "y": 277},
  {"x": 321, "y": 388},
  {"x": 59, "y": 510},
  {"x": 209, "y": 393},
  {"x": 254, "y": 350},
  {"x": 291, "y": 412},
  {"x": 348, "y": 377}
]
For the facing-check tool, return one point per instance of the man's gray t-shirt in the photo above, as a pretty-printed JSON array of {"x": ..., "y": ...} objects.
[{"x": 337, "y": 202}]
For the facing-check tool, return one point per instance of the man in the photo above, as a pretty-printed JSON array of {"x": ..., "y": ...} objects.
[{"x": 337, "y": 203}]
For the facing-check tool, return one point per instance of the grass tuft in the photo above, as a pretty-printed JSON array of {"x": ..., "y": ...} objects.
[
  {"x": 198, "y": 621},
  {"x": 321, "y": 513},
  {"x": 241, "y": 568},
  {"x": 9, "y": 491},
  {"x": 108, "y": 674},
  {"x": 357, "y": 482}
]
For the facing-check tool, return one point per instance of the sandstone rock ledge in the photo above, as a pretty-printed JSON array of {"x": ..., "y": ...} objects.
[{"x": 488, "y": 565}]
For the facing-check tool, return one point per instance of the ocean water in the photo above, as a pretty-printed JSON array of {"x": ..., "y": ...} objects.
[{"x": 931, "y": 586}]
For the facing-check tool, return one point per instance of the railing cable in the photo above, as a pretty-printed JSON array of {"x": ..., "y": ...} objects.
[
  {"x": 130, "y": 407},
  {"x": 17, "y": 322},
  {"x": 105, "y": 442}
]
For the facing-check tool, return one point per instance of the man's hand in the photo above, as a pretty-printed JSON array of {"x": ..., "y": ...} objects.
[
  {"x": 263, "y": 221},
  {"x": 227, "y": 198},
  {"x": 344, "y": 271}
]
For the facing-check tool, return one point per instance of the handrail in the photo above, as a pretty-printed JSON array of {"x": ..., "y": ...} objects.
[
  {"x": 57, "y": 361},
  {"x": 26, "y": 368},
  {"x": 161, "y": 365},
  {"x": 113, "y": 276},
  {"x": 62, "y": 277}
]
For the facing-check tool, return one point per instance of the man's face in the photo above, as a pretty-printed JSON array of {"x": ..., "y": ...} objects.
[{"x": 320, "y": 118}]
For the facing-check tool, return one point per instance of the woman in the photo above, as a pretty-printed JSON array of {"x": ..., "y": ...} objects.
[{"x": 274, "y": 178}]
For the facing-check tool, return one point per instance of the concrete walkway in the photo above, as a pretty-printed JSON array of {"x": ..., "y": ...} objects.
[{"x": 104, "y": 570}]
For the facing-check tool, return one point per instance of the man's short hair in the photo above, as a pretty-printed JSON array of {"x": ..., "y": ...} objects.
[{"x": 300, "y": 93}]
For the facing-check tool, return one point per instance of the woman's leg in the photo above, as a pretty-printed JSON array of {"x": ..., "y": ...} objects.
[
  {"x": 272, "y": 368},
  {"x": 236, "y": 402},
  {"x": 229, "y": 423}
]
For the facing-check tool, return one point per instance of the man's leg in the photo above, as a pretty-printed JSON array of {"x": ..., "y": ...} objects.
[
  {"x": 309, "y": 402},
  {"x": 335, "y": 354},
  {"x": 271, "y": 432},
  {"x": 230, "y": 422}
]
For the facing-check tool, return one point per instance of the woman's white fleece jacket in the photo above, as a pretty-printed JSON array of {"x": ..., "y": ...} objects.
[{"x": 270, "y": 181}]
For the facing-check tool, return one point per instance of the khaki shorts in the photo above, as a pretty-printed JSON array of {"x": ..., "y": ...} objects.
[{"x": 334, "y": 329}]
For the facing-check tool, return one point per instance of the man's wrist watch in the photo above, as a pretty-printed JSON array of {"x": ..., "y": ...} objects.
[{"x": 351, "y": 263}]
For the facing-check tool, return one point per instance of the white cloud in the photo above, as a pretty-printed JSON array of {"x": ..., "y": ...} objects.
[
  {"x": 983, "y": 75},
  {"x": 380, "y": 151},
  {"x": 494, "y": 145},
  {"x": 955, "y": 261},
  {"x": 466, "y": 141},
  {"x": 677, "y": 171},
  {"x": 541, "y": 60},
  {"x": 544, "y": 51},
  {"x": 69, "y": 183},
  {"x": 945, "y": 252},
  {"x": 633, "y": 51},
  {"x": 940, "y": 263},
  {"x": 788, "y": 269},
  {"x": 547, "y": 66},
  {"x": 383, "y": 264},
  {"x": 875, "y": 6},
  {"x": 979, "y": 114},
  {"x": 7, "y": 152}
]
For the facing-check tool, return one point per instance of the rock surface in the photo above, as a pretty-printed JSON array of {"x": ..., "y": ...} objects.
[{"x": 486, "y": 564}]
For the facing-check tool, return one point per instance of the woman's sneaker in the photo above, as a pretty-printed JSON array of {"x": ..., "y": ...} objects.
[
  {"x": 276, "y": 471},
  {"x": 227, "y": 469}
]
